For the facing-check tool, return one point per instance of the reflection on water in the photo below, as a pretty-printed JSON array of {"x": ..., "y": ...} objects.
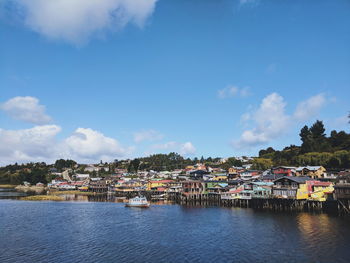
[
  {"x": 110, "y": 232},
  {"x": 321, "y": 231},
  {"x": 6, "y": 193},
  {"x": 104, "y": 198}
]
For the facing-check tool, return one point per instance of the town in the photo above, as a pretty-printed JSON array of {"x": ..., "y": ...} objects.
[{"x": 280, "y": 188}]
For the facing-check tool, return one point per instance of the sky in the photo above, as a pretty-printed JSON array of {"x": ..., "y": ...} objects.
[{"x": 98, "y": 80}]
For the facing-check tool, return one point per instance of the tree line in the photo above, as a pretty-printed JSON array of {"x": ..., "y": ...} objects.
[{"x": 317, "y": 148}]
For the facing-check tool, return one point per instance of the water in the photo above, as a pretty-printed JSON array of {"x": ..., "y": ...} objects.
[
  {"x": 6, "y": 193},
  {"x": 109, "y": 232}
]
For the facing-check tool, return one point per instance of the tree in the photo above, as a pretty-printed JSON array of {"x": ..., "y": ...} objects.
[
  {"x": 319, "y": 140},
  {"x": 262, "y": 164},
  {"x": 61, "y": 163},
  {"x": 134, "y": 165},
  {"x": 305, "y": 136},
  {"x": 267, "y": 151}
]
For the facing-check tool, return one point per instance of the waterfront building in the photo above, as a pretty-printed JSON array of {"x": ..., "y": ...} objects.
[
  {"x": 215, "y": 187},
  {"x": 291, "y": 187},
  {"x": 98, "y": 186},
  {"x": 155, "y": 184},
  {"x": 192, "y": 187},
  {"x": 320, "y": 191},
  {"x": 342, "y": 188},
  {"x": 259, "y": 189}
]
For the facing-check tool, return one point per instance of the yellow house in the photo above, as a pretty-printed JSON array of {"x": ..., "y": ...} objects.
[
  {"x": 312, "y": 171},
  {"x": 302, "y": 192},
  {"x": 320, "y": 190},
  {"x": 158, "y": 183},
  {"x": 220, "y": 178}
]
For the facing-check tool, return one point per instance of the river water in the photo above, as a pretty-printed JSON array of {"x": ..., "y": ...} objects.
[{"x": 109, "y": 232}]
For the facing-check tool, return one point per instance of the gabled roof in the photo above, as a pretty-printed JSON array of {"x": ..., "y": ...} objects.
[
  {"x": 310, "y": 168},
  {"x": 284, "y": 167},
  {"x": 297, "y": 179}
]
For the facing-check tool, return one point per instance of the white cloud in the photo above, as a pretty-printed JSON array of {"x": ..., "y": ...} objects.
[
  {"x": 34, "y": 144},
  {"x": 310, "y": 107},
  {"x": 186, "y": 148},
  {"x": 26, "y": 109},
  {"x": 270, "y": 120},
  {"x": 147, "y": 135},
  {"x": 88, "y": 144},
  {"x": 40, "y": 144},
  {"x": 75, "y": 21},
  {"x": 233, "y": 91}
]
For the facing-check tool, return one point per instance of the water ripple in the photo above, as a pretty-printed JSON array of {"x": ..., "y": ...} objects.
[{"x": 109, "y": 232}]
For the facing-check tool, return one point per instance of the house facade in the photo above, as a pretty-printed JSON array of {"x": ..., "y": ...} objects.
[
  {"x": 311, "y": 171},
  {"x": 291, "y": 187}
]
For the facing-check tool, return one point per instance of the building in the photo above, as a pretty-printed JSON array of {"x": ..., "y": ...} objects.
[
  {"x": 98, "y": 186},
  {"x": 342, "y": 188},
  {"x": 259, "y": 189},
  {"x": 192, "y": 187},
  {"x": 235, "y": 170},
  {"x": 320, "y": 191},
  {"x": 249, "y": 175},
  {"x": 284, "y": 171},
  {"x": 220, "y": 177},
  {"x": 154, "y": 185},
  {"x": 215, "y": 187},
  {"x": 291, "y": 187},
  {"x": 311, "y": 171},
  {"x": 198, "y": 174}
]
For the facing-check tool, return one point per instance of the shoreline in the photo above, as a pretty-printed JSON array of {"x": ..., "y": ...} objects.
[{"x": 8, "y": 186}]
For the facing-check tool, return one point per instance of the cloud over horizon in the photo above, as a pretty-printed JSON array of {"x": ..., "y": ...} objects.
[
  {"x": 186, "y": 148},
  {"x": 75, "y": 21},
  {"x": 40, "y": 144},
  {"x": 270, "y": 119}
]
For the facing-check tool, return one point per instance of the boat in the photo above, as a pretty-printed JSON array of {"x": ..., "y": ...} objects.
[{"x": 138, "y": 201}]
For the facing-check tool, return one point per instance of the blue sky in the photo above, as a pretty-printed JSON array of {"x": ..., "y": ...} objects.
[{"x": 95, "y": 80}]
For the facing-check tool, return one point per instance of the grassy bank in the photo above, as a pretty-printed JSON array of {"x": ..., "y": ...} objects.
[
  {"x": 73, "y": 192},
  {"x": 7, "y": 185},
  {"x": 42, "y": 198}
]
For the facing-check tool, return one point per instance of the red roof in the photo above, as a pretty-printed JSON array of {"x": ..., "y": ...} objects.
[{"x": 236, "y": 191}]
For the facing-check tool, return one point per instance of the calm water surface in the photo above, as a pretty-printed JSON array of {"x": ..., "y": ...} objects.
[{"x": 109, "y": 232}]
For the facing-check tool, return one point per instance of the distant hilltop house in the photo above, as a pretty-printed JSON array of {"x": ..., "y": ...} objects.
[
  {"x": 92, "y": 168},
  {"x": 82, "y": 177},
  {"x": 235, "y": 170},
  {"x": 311, "y": 171}
]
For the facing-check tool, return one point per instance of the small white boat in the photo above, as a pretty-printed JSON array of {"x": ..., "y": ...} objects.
[{"x": 138, "y": 201}]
